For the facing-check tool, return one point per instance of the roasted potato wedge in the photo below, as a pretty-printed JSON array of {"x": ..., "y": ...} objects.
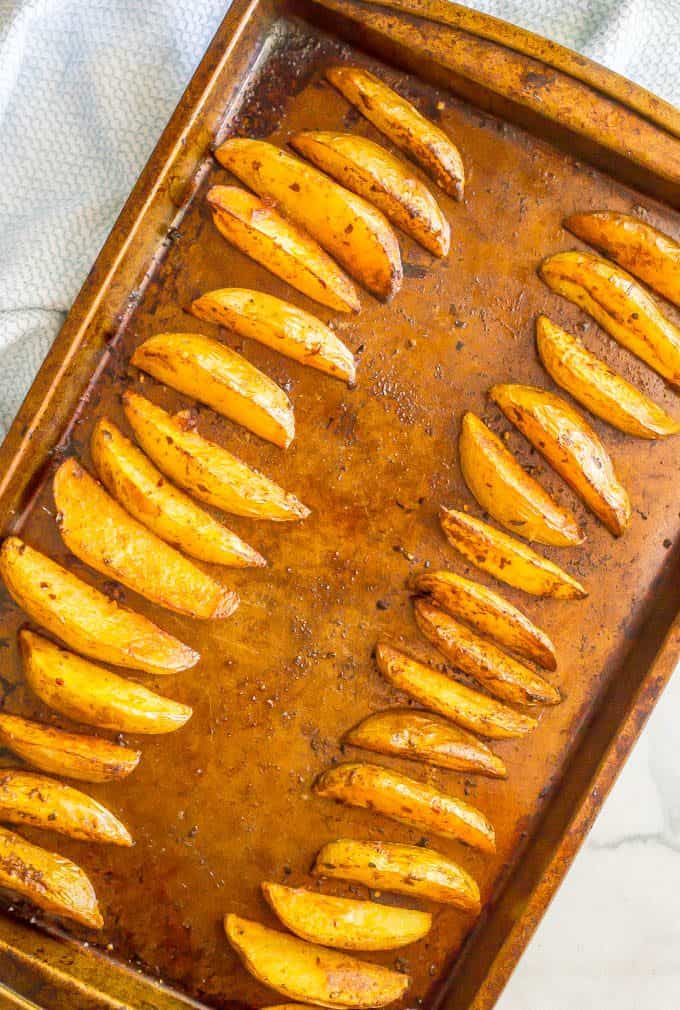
[
  {"x": 345, "y": 922},
  {"x": 259, "y": 231},
  {"x": 205, "y": 469},
  {"x": 42, "y": 802},
  {"x": 311, "y": 974},
  {"x": 638, "y": 247},
  {"x": 86, "y": 619},
  {"x": 488, "y": 613},
  {"x": 402, "y": 869},
  {"x": 404, "y": 125},
  {"x": 212, "y": 373},
  {"x": 98, "y": 531},
  {"x": 54, "y": 750},
  {"x": 571, "y": 447},
  {"x": 51, "y": 882},
  {"x": 277, "y": 324},
  {"x": 467, "y": 708},
  {"x": 420, "y": 736},
  {"x": 385, "y": 181},
  {"x": 499, "y": 673},
  {"x": 506, "y": 558},
  {"x": 507, "y": 492},
  {"x": 90, "y": 694},
  {"x": 594, "y": 384},
  {"x": 406, "y": 800},
  {"x": 345, "y": 225},
  {"x": 620, "y": 305}
]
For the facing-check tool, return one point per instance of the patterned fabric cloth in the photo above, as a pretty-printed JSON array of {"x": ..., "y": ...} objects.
[{"x": 86, "y": 87}]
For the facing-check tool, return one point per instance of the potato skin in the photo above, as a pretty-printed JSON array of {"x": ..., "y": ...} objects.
[
  {"x": 403, "y": 869},
  {"x": 406, "y": 800},
  {"x": 90, "y": 694},
  {"x": 506, "y": 558},
  {"x": 84, "y": 618},
  {"x": 488, "y": 613},
  {"x": 620, "y": 305},
  {"x": 369, "y": 170},
  {"x": 345, "y": 923},
  {"x": 259, "y": 231},
  {"x": 507, "y": 492},
  {"x": 596, "y": 386},
  {"x": 404, "y": 125},
  {"x": 309, "y": 973},
  {"x": 49, "y": 881},
  {"x": 345, "y": 225},
  {"x": 571, "y": 447}
]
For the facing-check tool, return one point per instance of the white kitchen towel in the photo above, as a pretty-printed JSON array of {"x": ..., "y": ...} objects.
[{"x": 86, "y": 87}]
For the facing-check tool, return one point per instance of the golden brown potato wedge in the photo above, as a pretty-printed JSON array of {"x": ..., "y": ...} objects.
[
  {"x": 638, "y": 247},
  {"x": 259, "y": 231},
  {"x": 507, "y": 492},
  {"x": 86, "y": 758},
  {"x": 345, "y": 923},
  {"x": 506, "y": 558},
  {"x": 499, "y": 673},
  {"x": 345, "y": 225},
  {"x": 385, "y": 181},
  {"x": 47, "y": 880},
  {"x": 594, "y": 384},
  {"x": 571, "y": 447},
  {"x": 467, "y": 708},
  {"x": 95, "y": 696},
  {"x": 205, "y": 469},
  {"x": 406, "y": 800},
  {"x": 144, "y": 492},
  {"x": 212, "y": 373},
  {"x": 402, "y": 869},
  {"x": 86, "y": 619},
  {"x": 98, "y": 531},
  {"x": 404, "y": 125},
  {"x": 309, "y": 973},
  {"x": 620, "y": 305},
  {"x": 279, "y": 325},
  {"x": 42, "y": 802}
]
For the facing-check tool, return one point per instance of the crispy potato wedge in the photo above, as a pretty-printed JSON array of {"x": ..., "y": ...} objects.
[
  {"x": 404, "y": 125},
  {"x": 42, "y": 802},
  {"x": 372, "y": 787},
  {"x": 205, "y": 469},
  {"x": 506, "y": 558},
  {"x": 499, "y": 673},
  {"x": 280, "y": 325},
  {"x": 49, "y": 881},
  {"x": 309, "y": 973},
  {"x": 620, "y": 305},
  {"x": 638, "y": 247},
  {"x": 507, "y": 492},
  {"x": 90, "y": 694},
  {"x": 345, "y": 922},
  {"x": 571, "y": 447},
  {"x": 385, "y": 181},
  {"x": 489, "y": 614},
  {"x": 402, "y": 869},
  {"x": 144, "y": 492},
  {"x": 345, "y": 225},
  {"x": 212, "y": 373},
  {"x": 87, "y": 758},
  {"x": 467, "y": 708},
  {"x": 595, "y": 385},
  {"x": 98, "y": 531},
  {"x": 420, "y": 736},
  {"x": 259, "y": 231},
  {"x": 86, "y": 619}
]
